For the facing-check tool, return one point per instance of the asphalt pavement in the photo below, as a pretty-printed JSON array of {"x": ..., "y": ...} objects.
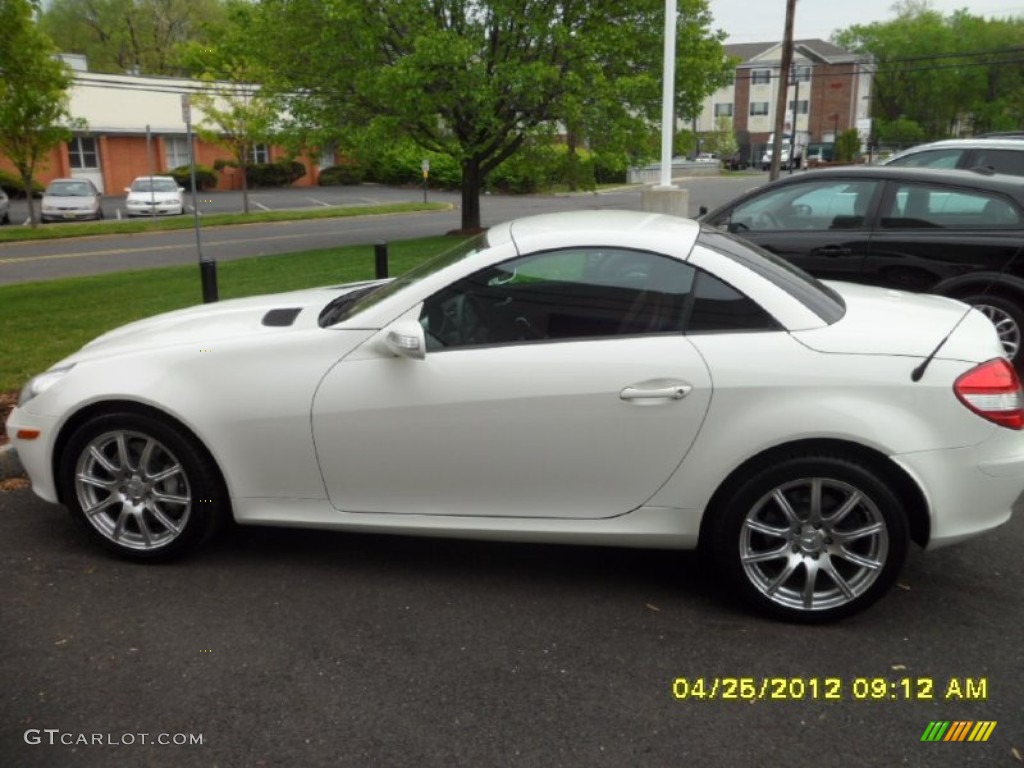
[
  {"x": 49, "y": 259},
  {"x": 302, "y": 648}
]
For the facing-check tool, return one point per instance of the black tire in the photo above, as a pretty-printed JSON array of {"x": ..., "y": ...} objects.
[
  {"x": 768, "y": 553},
  {"x": 154, "y": 491},
  {"x": 1008, "y": 318}
]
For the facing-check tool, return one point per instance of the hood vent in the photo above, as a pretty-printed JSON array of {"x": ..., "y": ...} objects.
[{"x": 281, "y": 318}]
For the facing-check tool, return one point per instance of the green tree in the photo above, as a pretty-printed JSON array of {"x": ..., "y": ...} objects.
[
  {"x": 947, "y": 75},
  {"x": 144, "y": 36},
  {"x": 847, "y": 145},
  {"x": 34, "y": 116},
  {"x": 237, "y": 114},
  {"x": 722, "y": 140},
  {"x": 475, "y": 80}
]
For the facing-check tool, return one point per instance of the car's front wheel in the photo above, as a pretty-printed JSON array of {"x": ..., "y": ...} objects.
[
  {"x": 811, "y": 538},
  {"x": 140, "y": 487}
]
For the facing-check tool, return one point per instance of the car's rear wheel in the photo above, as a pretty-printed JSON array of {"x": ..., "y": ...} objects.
[
  {"x": 1008, "y": 318},
  {"x": 811, "y": 538},
  {"x": 140, "y": 487}
]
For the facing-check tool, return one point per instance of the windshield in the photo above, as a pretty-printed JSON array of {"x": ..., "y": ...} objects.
[
  {"x": 156, "y": 185},
  {"x": 343, "y": 307},
  {"x": 70, "y": 189}
]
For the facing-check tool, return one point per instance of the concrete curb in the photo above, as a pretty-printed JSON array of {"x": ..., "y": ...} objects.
[{"x": 10, "y": 464}]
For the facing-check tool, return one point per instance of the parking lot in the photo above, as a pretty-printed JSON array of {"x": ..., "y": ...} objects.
[
  {"x": 281, "y": 647},
  {"x": 277, "y": 647}
]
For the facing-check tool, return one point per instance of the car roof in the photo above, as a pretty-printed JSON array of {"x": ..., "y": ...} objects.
[
  {"x": 1000, "y": 182},
  {"x": 979, "y": 142},
  {"x": 155, "y": 178},
  {"x": 609, "y": 228}
]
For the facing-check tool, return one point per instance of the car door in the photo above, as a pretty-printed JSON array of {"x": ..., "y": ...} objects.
[
  {"x": 930, "y": 233},
  {"x": 821, "y": 225},
  {"x": 553, "y": 385}
]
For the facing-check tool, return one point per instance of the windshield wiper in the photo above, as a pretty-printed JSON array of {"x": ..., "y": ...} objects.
[{"x": 337, "y": 306}]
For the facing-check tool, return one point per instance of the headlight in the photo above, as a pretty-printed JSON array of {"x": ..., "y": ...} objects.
[{"x": 39, "y": 384}]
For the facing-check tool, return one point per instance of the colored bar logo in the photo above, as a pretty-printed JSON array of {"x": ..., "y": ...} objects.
[{"x": 958, "y": 730}]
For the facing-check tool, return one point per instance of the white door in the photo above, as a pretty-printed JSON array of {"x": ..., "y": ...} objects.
[
  {"x": 84, "y": 157},
  {"x": 535, "y": 401}
]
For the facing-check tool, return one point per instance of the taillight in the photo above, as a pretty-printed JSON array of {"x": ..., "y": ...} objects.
[{"x": 992, "y": 390}]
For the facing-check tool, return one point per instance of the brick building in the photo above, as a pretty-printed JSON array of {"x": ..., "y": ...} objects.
[
  {"x": 135, "y": 127},
  {"x": 829, "y": 87}
]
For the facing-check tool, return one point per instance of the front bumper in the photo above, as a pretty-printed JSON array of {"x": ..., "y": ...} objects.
[{"x": 34, "y": 454}]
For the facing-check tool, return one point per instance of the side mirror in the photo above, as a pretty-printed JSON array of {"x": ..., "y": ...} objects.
[
  {"x": 127, "y": 189},
  {"x": 406, "y": 339},
  {"x": 181, "y": 189},
  {"x": 702, "y": 211}
]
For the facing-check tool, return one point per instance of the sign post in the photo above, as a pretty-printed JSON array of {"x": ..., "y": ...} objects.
[
  {"x": 425, "y": 167},
  {"x": 207, "y": 267}
]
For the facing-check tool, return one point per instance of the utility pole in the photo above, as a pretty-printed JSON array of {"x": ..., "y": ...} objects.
[{"x": 780, "y": 101}]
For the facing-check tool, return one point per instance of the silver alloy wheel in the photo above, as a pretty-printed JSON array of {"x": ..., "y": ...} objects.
[
  {"x": 133, "y": 490},
  {"x": 1007, "y": 328},
  {"x": 813, "y": 544}
]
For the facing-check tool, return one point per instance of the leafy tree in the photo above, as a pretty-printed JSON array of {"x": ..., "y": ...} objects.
[
  {"x": 238, "y": 115},
  {"x": 847, "y": 145},
  {"x": 476, "y": 80},
  {"x": 34, "y": 115},
  {"x": 947, "y": 75},
  {"x": 722, "y": 141},
  {"x": 146, "y": 36}
]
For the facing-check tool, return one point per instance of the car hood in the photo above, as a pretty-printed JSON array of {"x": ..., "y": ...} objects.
[
  {"x": 879, "y": 321},
  {"x": 70, "y": 201},
  {"x": 216, "y": 322},
  {"x": 147, "y": 197}
]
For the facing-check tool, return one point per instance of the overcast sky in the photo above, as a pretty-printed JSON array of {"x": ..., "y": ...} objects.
[{"x": 755, "y": 21}]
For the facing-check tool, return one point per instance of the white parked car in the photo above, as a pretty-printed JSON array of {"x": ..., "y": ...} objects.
[
  {"x": 603, "y": 377},
  {"x": 71, "y": 200},
  {"x": 154, "y": 195},
  {"x": 5, "y": 208}
]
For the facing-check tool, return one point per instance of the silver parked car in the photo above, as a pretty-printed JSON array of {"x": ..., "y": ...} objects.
[{"x": 71, "y": 200}]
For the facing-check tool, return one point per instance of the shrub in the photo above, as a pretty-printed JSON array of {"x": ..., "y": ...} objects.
[
  {"x": 277, "y": 174},
  {"x": 346, "y": 172},
  {"x": 206, "y": 178},
  {"x": 11, "y": 184}
]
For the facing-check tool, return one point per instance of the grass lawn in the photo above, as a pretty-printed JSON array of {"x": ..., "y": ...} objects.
[
  {"x": 40, "y": 323},
  {"x": 12, "y": 234}
]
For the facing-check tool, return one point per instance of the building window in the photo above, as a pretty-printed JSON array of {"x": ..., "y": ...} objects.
[
  {"x": 723, "y": 110},
  {"x": 758, "y": 108},
  {"x": 176, "y": 151},
  {"x": 802, "y": 106},
  {"x": 760, "y": 76},
  {"x": 260, "y": 153},
  {"x": 802, "y": 74},
  {"x": 82, "y": 153}
]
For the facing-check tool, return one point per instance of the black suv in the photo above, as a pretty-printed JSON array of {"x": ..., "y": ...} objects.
[{"x": 955, "y": 233}]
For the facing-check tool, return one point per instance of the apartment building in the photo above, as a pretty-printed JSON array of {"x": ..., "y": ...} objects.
[{"x": 828, "y": 91}]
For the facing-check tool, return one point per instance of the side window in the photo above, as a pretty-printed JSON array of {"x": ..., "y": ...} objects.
[
  {"x": 718, "y": 306},
  {"x": 834, "y": 204},
  {"x": 999, "y": 160},
  {"x": 921, "y": 206},
  {"x": 566, "y": 294},
  {"x": 932, "y": 158}
]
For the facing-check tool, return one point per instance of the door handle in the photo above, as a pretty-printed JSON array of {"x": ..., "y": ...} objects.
[
  {"x": 832, "y": 250},
  {"x": 672, "y": 392}
]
